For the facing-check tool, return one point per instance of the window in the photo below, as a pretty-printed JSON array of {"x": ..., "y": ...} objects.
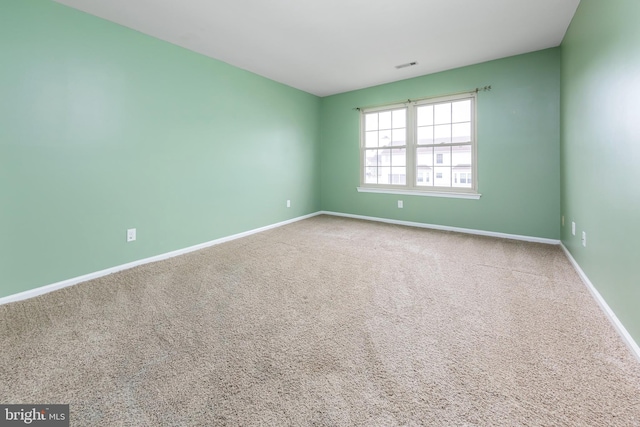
[
  {"x": 383, "y": 164},
  {"x": 420, "y": 146}
]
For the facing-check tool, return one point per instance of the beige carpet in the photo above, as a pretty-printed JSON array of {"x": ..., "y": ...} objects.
[{"x": 328, "y": 322}]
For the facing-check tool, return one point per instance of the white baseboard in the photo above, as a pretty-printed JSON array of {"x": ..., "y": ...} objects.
[
  {"x": 75, "y": 280},
  {"x": 447, "y": 228},
  {"x": 633, "y": 346},
  {"x": 70, "y": 282}
]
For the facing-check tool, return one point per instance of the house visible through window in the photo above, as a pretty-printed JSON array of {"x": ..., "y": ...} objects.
[{"x": 422, "y": 146}]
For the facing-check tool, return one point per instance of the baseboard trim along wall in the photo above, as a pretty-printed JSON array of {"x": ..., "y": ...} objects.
[
  {"x": 75, "y": 280},
  {"x": 447, "y": 228},
  {"x": 628, "y": 339},
  {"x": 633, "y": 346}
]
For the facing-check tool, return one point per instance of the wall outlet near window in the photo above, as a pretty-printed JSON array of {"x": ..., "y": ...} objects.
[
  {"x": 573, "y": 228},
  {"x": 584, "y": 239},
  {"x": 400, "y": 204},
  {"x": 131, "y": 235},
  {"x": 288, "y": 203}
]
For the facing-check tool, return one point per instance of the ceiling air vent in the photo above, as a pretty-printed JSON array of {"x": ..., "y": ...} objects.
[{"x": 408, "y": 64}]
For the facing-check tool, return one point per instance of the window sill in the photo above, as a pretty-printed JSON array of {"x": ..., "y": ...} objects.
[{"x": 451, "y": 194}]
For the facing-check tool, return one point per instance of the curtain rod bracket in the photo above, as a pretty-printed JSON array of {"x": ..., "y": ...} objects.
[{"x": 483, "y": 89}]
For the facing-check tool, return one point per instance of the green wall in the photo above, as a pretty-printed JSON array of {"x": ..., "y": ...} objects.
[
  {"x": 601, "y": 150},
  {"x": 518, "y": 148},
  {"x": 103, "y": 129}
]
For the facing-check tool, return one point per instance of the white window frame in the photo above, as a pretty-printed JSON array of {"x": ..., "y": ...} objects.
[{"x": 411, "y": 186}]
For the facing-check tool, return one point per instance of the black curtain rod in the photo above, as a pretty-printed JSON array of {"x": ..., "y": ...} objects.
[{"x": 476, "y": 90}]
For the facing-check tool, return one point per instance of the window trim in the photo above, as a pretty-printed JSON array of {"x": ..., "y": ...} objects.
[
  {"x": 446, "y": 194},
  {"x": 411, "y": 188}
]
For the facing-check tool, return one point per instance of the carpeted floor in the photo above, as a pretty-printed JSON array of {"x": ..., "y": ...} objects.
[{"x": 327, "y": 322}]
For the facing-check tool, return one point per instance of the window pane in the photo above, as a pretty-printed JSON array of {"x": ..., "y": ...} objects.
[
  {"x": 425, "y": 115},
  {"x": 444, "y": 154},
  {"x": 384, "y": 175},
  {"x": 399, "y": 137},
  {"x": 399, "y": 157},
  {"x": 384, "y": 120},
  {"x": 399, "y": 119},
  {"x": 424, "y": 177},
  {"x": 371, "y": 158},
  {"x": 443, "y": 177},
  {"x": 425, "y": 157},
  {"x": 461, "y": 155},
  {"x": 442, "y": 134},
  {"x": 371, "y": 139},
  {"x": 385, "y": 138},
  {"x": 371, "y": 175},
  {"x": 461, "y": 111},
  {"x": 371, "y": 121},
  {"x": 464, "y": 177},
  {"x": 461, "y": 132},
  {"x": 384, "y": 157},
  {"x": 399, "y": 176},
  {"x": 443, "y": 113},
  {"x": 425, "y": 135}
]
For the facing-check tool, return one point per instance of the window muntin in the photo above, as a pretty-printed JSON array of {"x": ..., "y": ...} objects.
[{"x": 427, "y": 145}]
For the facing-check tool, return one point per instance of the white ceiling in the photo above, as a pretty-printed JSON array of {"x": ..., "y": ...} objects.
[{"x": 331, "y": 46}]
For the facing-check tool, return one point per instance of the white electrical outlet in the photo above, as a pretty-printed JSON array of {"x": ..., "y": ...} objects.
[
  {"x": 573, "y": 228},
  {"x": 131, "y": 235},
  {"x": 288, "y": 203},
  {"x": 584, "y": 239},
  {"x": 400, "y": 204}
]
